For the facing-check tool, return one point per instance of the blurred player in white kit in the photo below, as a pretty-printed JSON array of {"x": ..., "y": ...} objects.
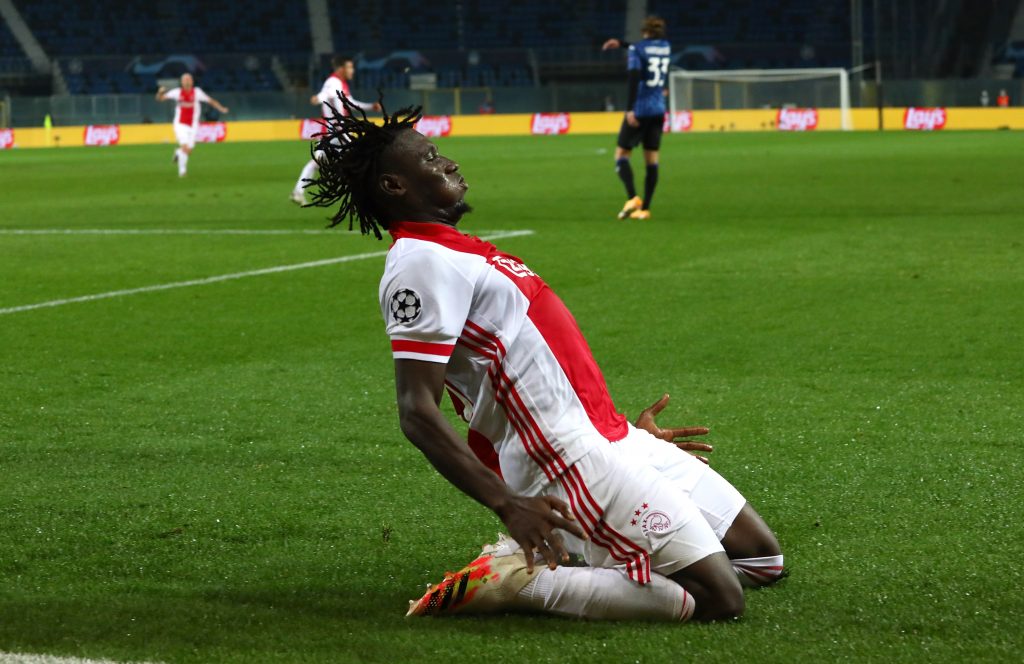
[
  {"x": 187, "y": 112},
  {"x": 336, "y": 83}
]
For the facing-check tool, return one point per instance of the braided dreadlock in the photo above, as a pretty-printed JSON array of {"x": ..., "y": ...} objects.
[{"x": 348, "y": 151}]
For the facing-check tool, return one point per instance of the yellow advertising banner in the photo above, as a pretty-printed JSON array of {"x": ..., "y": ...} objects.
[{"x": 788, "y": 119}]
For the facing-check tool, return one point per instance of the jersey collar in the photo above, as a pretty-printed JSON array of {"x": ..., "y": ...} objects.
[{"x": 443, "y": 234}]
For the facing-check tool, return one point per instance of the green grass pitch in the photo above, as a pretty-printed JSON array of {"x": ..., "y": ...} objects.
[{"x": 214, "y": 473}]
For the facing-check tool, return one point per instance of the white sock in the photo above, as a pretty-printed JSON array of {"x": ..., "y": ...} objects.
[
  {"x": 605, "y": 594},
  {"x": 182, "y": 162},
  {"x": 754, "y": 572},
  {"x": 308, "y": 171}
]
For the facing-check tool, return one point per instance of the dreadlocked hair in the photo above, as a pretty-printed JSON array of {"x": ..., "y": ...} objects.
[{"x": 348, "y": 151}]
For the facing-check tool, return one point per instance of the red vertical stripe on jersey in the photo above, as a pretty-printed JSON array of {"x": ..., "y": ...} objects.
[
  {"x": 478, "y": 443},
  {"x": 581, "y": 502},
  {"x": 563, "y": 336},
  {"x": 484, "y": 450},
  {"x": 187, "y": 106},
  {"x": 334, "y": 102}
]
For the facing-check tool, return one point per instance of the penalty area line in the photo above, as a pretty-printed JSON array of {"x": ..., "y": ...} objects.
[
  {"x": 169, "y": 231},
  {"x": 24, "y": 658},
  {"x": 181, "y": 231},
  {"x": 225, "y": 277}
]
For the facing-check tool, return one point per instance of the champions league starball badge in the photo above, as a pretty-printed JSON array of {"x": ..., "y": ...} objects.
[{"x": 405, "y": 306}]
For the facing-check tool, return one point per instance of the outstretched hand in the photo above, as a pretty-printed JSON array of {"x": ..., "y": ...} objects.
[
  {"x": 610, "y": 44},
  {"x": 675, "y": 436},
  {"x": 532, "y": 522}
]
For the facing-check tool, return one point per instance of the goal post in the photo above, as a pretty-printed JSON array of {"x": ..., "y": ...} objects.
[{"x": 691, "y": 90}]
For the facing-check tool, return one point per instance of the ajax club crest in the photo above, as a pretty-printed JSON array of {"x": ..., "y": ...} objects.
[{"x": 650, "y": 521}]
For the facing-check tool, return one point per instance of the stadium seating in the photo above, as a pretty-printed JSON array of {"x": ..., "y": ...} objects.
[
  {"x": 400, "y": 24},
  {"x": 108, "y": 27},
  {"x": 472, "y": 43},
  {"x": 9, "y": 48},
  {"x": 125, "y": 75},
  {"x": 748, "y": 34},
  {"x": 542, "y": 23}
]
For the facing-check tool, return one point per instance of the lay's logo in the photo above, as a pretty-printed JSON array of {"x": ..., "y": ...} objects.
[
  {"x": 212, "y": 132},
  {"x": 550, "y": 124},
  {"x": 677, "y": 121},
  {"x": 797, "y": 119},
  {"x": 434, "y": 126},
  {"x": 102, "y": 134},
  {"x": 924, "y": 119}
]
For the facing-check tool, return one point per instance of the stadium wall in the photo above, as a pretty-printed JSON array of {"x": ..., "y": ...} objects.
[{"x": 826, "y": 119}]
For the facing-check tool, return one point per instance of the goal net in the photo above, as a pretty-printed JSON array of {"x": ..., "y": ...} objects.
[{"x": 761, "y": 88}]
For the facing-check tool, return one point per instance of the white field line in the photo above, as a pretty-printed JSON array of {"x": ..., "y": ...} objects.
[
  {"x": 182, "y": 231},
  {"x": 21, "y": 658},
  {"x": 225, "y": 277},
  {"x": 170, "y": 231}
]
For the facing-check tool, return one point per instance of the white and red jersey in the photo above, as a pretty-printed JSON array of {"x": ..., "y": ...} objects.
[
  {"x": 329, "y": 95},
  {"x": 189, "y": 104},
  {"x": 519, "y": 370}
]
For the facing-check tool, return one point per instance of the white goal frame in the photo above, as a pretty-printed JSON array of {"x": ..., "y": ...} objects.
[{"x": 680, "y": 76}]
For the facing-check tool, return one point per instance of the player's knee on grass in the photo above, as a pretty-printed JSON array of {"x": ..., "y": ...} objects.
[
  {"x": 714, "y": 586},
  {"x": 753, "y": 550},
  {"x": 750, "y": 537}
]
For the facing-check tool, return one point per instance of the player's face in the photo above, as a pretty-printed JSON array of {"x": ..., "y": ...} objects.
[
  {"x": 186, "y": 81},
  {"x": 347, "y": 71},
  {"x": 431, "y": 185}
]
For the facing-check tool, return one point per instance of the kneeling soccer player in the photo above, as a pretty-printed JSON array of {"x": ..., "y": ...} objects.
[
  {"x": 462, "y": 314},
  {"x": 751, "y": 546}
]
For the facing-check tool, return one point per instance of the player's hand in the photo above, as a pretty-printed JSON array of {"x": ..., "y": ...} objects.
[
  {"x": 611, "y": 44},
  {"x": 225, "y": 110},
  {"x": 677, "y": 437},
  {"x": 532, "y": 522},
  {"x": 631, "y": 119},
  {"x": 161, "y": 90},
  {"x": 377, "y": 107}
]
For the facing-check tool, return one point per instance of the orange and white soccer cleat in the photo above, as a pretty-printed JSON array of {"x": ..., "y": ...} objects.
[
  {"x": 630, "y": 207},
  {"x": 640, "y": 214},
  {"x": 489, "y": 584}
]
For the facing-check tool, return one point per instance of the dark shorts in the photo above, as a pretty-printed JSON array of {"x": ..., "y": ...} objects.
[{"x": 649, "y": 133}]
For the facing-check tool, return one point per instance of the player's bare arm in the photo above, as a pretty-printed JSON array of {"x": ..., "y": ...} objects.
[
  {"x": 677, "y": 436},
  {"x": 161, "y": 93},
  {"x": 530, "y": 521},
  {"x": 217, "y": 105}
]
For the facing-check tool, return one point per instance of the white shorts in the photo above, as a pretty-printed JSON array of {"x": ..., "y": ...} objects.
[
  {"x": 638, "y": 521},
  {"x": 718, "y": 500},
  {"x": 185, "y": 134}
]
